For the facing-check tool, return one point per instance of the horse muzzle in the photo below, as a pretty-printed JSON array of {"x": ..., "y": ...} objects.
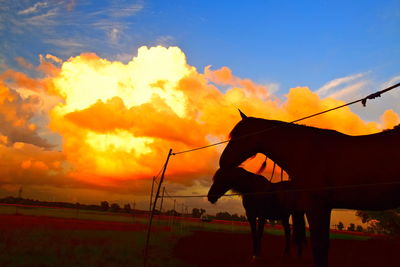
[{"x": 212, "y": 200}]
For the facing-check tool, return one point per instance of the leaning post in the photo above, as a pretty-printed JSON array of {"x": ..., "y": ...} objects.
[
  {"x": 146, "y": 248},
  {"x": 162, "y": 199},
  {"x": 151, "y": 193}
]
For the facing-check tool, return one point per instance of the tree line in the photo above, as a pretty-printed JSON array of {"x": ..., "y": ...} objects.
[
  {"x": 380, "y": 222},
  {"x": 103, "y": 206}
]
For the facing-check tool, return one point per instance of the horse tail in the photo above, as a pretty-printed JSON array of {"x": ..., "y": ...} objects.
[{"x": 263, "y": 166}]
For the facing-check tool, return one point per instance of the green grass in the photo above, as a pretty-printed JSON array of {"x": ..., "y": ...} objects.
[
  {"x": 177, "y": 224},
  {"x": 44, "y": 247},
  {"x": 349, "y": 236},
  {"x": 72, "y": 214},
  {"x": 55, "y": 247}
]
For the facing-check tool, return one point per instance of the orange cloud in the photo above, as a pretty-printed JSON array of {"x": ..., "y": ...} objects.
[
  {"x": 117, "y": 121},
  {"x": 224, "y": 76},
  {"x": 389, "y": 119},
  {"x": 15, "y": 117},
  {"x": 23, "y": 63},
  {"x": 27, "y": 164},
  {"x": 143, "y": 120},
  {"x": 21, "y": 80},
  {"x": 302, "y": 102}
]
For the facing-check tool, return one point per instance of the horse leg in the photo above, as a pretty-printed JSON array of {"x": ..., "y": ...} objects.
[
  {"x": 299, "y": 231},
  {"x": 260, "y": 232},
  {"x": 319, "y": 220},
  {"x": 253, "y": 227},
  {"x": 286, "y": 228}
]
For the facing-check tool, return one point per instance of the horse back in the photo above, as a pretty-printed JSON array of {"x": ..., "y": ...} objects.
[{"x": 346, "y": 160}]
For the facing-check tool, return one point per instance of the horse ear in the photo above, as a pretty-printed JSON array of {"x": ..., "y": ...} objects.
[{"x": 242, "y": 115}]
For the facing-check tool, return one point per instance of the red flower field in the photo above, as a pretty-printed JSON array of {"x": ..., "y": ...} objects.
[
  {"x": 234, "y": 249},
  {"x": 48, "y": 241},
  {"x": 10, "y": 222}
]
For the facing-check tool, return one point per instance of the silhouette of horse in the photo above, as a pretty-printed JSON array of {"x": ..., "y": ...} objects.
[
  {"x": 328, "y": 169},
  {"x": 261, "y": 200}
]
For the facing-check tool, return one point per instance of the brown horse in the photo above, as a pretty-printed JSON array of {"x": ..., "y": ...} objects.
[
  {"x": 261, "y": 200},
  {"x": 328, "y": 169}
]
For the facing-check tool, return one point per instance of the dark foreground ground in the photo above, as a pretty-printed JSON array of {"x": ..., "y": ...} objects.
[
  {"x": 100, "y": 240},
  {"x": 233, "y": 249}
]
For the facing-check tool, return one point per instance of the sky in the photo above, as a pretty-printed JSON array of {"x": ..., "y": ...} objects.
[{"x": 94, "y": 93}]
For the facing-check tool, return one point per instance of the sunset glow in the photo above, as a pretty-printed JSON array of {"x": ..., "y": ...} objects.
[
  {"x": 118, "y": 116},
  {"x": 93, "y": 95},
  {"x": 117, "y": 120}
]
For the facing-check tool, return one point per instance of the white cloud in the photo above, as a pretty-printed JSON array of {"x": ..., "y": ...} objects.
[
  {"x": 43, "y": 19},
  {"x": 165, "y": 40},
  {"x": 3, "y": 65},
  {"x": 65, "y": 42},
  {"x": 118, "y": 10},
  {"x": 324, "y": 90},
  {"x": 114, "y": 34},
  {"x": 33, "y": 8},
  {"x": 71, "y": 5},
  {"x": 126, "y": 11},
  {"x": 123, "y": 57},
  {"x": 376, "y": 107},
  {"x": 392, "y": 81},
  {"x": 348, "y": 91},
  {"x": 273, "y": 88}
]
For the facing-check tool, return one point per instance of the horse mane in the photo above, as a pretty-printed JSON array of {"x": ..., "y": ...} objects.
[
  {"x": 263, "y": 166},
  {"x": 276, "y": 123}
]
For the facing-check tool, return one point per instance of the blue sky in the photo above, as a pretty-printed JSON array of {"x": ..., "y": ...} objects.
[{"x": 290, "y": 43}]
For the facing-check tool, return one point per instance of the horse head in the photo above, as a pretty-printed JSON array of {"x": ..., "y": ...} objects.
[
  {"x": 244, "y": 141},
  {"x": 222, "y": 182},
  {"x": 237, "y": 179}
]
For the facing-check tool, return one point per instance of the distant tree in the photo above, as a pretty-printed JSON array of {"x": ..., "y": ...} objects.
[
  {"x": 340, "y": 226},
  {"x": 384, "y": 222},
  {"x": 104, "y": 205},
  {"x": 127, "y": 208},
  {"x": 351, "y": 227},
  {"x": 114, "y": 207},
  {"x": 359, "y": 228},
  {"x": 157, "y": 212},
  {"x": 202, "y": 211},
  {"x": 370, "y": 230},
  {"x": 235, "y": 217},
  {"x": 196, "y": 213},
  {"x": 243, "y": 218},
  {"x": 20, "y": 192},
  {"x": 223, "y": 216},
  {"x": 172, "y": 213}
]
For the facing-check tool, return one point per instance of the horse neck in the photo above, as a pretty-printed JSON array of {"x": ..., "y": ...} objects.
[
  {"x": 285, "y": 143},
  {"x": 249, "y": 184}
]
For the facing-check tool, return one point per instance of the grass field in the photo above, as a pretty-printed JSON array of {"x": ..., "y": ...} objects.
[{"x": 40, "y": 236}]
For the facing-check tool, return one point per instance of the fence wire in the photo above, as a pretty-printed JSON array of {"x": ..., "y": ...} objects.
[
  {"x": 171, "y": 153},
  {"x": 362, "y": 100},
  {"x": 324, "y": 188}
]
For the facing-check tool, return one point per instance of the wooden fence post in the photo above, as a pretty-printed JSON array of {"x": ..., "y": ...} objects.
[
  {"x": 151, "y": 193},
  {"x": 146, "y": 248},
  {"x": 162, "y": 199}
]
